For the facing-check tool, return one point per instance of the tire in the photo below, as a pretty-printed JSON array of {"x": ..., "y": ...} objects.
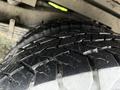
[{"x": 61, "y": 55}]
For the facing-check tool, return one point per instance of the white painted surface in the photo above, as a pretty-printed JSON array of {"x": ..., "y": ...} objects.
[
  {"x": 81, "y": 81},
  {"x": 109, "y": 79}
]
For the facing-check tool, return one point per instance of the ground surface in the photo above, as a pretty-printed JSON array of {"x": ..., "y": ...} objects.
[
  {"x": 9, "y": 38},
  {"x": 5, "y": 45}
]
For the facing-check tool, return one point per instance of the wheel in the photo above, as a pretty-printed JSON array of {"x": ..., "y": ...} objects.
[{"x": 64, "y": 55}]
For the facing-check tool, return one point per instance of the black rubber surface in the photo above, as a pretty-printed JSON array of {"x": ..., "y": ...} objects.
[{"x": 65, "y": 47}]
